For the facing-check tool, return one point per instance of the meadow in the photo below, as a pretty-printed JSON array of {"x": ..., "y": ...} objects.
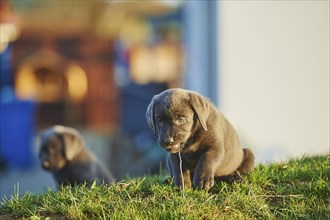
[{"x": 297, "y": 189}]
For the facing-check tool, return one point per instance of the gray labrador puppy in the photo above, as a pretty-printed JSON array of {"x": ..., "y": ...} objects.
[
  {"x": 63, "y": 153},
  {"x": 187, "y": 123}
]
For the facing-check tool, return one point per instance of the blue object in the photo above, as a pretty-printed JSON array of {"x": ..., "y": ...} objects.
[
  {"x": 136, "y": 99},
  {"x": 6, "y": 77},
  {"x": 16, "y": 133}
]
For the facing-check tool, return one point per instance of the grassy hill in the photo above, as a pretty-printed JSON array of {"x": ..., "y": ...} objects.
[{"x": 299, "y": 189}]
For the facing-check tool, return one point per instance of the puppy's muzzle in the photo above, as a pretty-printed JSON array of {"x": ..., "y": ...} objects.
[
  {"x": 169, "y": 144},
  {"x": 168, "y": 141}
]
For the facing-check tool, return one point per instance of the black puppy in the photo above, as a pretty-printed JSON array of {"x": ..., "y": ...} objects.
[
  {"x": 186, "y": 122},
  {"x": 63, "y": 153}
]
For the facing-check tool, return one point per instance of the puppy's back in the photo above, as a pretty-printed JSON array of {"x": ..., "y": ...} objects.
[{"x": 89, "y": 168}]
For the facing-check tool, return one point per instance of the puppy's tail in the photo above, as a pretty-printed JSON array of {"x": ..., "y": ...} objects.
[{"x": 247, "y": 164}]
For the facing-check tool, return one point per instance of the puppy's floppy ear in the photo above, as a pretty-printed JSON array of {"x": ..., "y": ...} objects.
[
  {"x": 73, "y": 141},
  {"x": 150, "y": 115},
  {"x": 201, "y": 106}
]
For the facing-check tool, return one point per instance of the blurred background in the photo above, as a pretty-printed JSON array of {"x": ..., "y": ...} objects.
[{"x": 95, "y": 65}]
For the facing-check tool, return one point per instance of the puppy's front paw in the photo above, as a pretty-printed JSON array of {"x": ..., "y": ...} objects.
[{"x": 204, "y": 182}]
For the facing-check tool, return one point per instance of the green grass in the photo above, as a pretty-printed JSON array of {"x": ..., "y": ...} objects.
[{"x": 299, "y": 189}]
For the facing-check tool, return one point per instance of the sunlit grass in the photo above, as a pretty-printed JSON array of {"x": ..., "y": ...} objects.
[{"x": 298, "y": 189}]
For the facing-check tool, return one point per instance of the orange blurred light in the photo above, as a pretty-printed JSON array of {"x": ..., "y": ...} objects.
[
  {"x": 77, "y": 83},
  {"x": 160, "y": 63},
  {"x": 26, "y": 84}
]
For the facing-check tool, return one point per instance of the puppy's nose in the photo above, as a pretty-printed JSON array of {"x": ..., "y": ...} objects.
[
  {"x": 46, "y": 164},
  {"x": 168, "y": 141}
]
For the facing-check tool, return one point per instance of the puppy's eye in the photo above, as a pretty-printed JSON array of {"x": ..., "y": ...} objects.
[
  {"x": 181, "y": 120},
  {"x": 160, "y": 121}
]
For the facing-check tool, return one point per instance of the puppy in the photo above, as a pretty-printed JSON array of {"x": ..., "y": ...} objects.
[
  {"x": 187, "y": 123},
  {"x": 63, "y": 153}
]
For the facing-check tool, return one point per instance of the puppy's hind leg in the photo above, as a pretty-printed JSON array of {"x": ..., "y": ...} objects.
[
  {"x": 247, "y": 164},
  {"x": 245, "y": 167}
]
